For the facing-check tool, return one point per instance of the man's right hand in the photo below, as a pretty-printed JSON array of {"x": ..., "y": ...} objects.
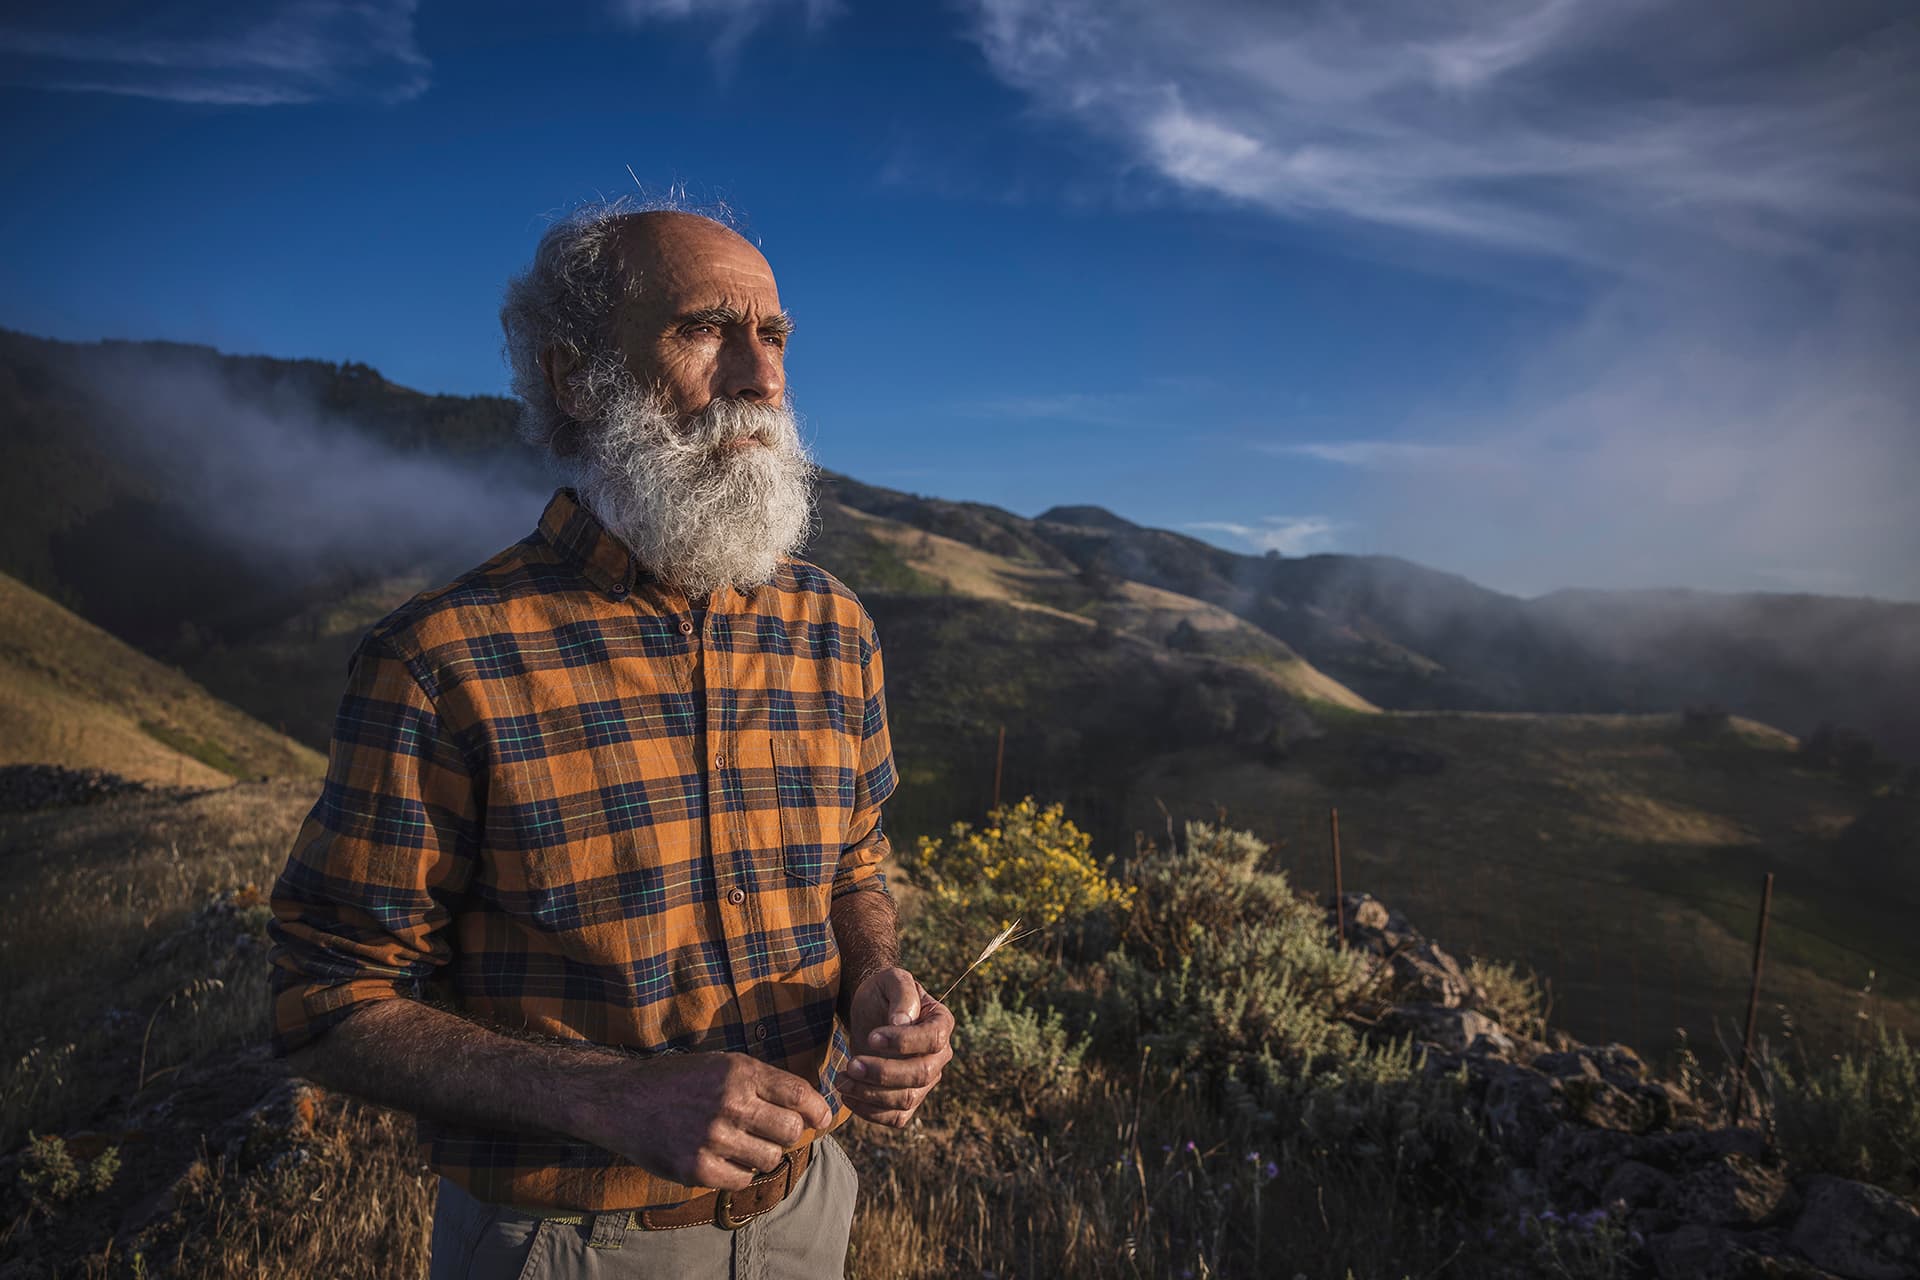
[{"x": 702, "y": 1119}]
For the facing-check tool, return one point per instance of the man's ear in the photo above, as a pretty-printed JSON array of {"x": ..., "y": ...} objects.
[{"x": 559, "y": 365}]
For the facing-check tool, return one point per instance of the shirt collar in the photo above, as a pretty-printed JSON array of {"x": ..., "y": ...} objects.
[{"x": 600, "y": 557}]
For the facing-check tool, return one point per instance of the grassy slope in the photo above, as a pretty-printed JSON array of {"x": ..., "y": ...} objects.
[
  {"x": 1620, "y": 855},
  {"x": 1132, "y": 608},
  {"x": 72, "y": 694},
  {"x": 131, "y": 934}
]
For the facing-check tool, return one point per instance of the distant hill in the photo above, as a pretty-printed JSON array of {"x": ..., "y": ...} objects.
[
  {"x": 72, "y": 695},
  {"x": 129, "y": 537},
  {"x": 1406, "y": 636}
]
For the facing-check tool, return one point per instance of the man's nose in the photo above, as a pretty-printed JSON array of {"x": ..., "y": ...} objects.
[{"x": 751, "y": 370}]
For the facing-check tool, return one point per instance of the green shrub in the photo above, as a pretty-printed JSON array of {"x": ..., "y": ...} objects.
[
  {"x": 1009, "y": 1055},
  {"x": 1514, "y": 999},
  {"x": 49, "y": 1172},
  {"x": 1224, "y": 964},
  {"x": 1376, "y": 1107},
  {"x": 1854, "y": 1116}
]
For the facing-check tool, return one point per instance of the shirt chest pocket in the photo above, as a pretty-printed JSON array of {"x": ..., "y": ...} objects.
[{"x": 813, "y": 776}]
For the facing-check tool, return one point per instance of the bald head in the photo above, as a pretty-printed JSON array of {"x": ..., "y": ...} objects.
[
  {"x": 669, "y": 242},
  {"x": 677, "y": 301}
]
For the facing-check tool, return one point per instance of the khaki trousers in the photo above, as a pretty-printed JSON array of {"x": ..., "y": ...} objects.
[{"x": 804, "y": 1237}]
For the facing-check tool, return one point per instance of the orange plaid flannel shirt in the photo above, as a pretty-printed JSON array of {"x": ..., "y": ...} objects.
[{"x": 573, "y": 808}]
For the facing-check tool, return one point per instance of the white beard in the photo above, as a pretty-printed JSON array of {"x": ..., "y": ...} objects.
[{"x": 696, "y": 511}]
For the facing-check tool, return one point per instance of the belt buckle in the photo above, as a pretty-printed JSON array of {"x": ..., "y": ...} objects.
[{"x": 723, "y": 1203}]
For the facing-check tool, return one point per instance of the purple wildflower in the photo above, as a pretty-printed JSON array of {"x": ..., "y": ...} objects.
[{"x": 1272, "y": 1170}]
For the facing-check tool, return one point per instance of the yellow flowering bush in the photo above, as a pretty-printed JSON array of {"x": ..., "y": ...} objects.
[{"x": 1025, "y": 863}]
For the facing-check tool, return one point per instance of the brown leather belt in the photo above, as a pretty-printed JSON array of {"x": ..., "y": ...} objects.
[{"x": 729, "y": 1209}]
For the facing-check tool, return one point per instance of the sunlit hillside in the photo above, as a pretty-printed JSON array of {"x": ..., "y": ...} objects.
[{"x": 73, "y": 695}]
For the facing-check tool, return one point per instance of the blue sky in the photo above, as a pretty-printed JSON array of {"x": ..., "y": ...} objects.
[{"x": 1546, "y": 292}]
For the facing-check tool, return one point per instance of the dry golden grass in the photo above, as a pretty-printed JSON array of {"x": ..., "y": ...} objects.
[
  {"x": 99, "y": 915},
  {"x": 42, "y": 723},
  {"x": 357, "y": 1204},
  {"x": 71, "y": 694}
]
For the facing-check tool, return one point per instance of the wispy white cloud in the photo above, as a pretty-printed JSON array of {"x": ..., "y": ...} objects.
[
  {"x": 1730, "y": 398},
  {"x": 1288, "y": 535},
  {"x": 1680, "y": 447},
  {"x": 228, "y": 54},
  {"x": 735, "y": 19},
  {"x": 1576, "y": 128},
  {"x": 1373, "y": 454}
]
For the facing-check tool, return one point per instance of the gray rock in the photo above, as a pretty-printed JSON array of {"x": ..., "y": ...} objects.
[
  {"x": 1418, "y": 966},
  {"x": 1858, "y": 1231},
  {"x": 1735, "y": 1191},
  {"x": 1577, "y": 1163},
  {"x": 1677, "y": 1152},
  {"x": 1606, "y": 1106},
  {"x": 1450, "y": 1029},
  {"x": 1697, "y": 1251},
  {"x": 1636, "y": 1185},
  {"x": 1370, "y": 913},
  {"x": 1573, "y": 1065},
  {"x": 1493, "y": 1044},
  {"x": 1520, "y": 1108}
]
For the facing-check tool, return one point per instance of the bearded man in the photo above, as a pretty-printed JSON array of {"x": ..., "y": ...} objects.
[{"x": 592, "y": 887}]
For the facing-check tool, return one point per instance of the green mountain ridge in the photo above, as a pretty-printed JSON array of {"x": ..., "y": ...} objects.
[{"x": 1396, "y": 633}]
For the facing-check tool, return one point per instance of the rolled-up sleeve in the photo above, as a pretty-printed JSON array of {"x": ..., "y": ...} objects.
[
  {"x": 874, "y": 780},
  {"x": 360, "y": 911}
]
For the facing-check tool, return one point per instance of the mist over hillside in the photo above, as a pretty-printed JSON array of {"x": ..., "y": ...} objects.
[{"x": 190, "y": 501}]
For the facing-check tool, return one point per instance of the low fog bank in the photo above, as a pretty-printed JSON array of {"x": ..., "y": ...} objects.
[
  {"x": 296, "y": 487},
  {"x": 190, "y": 502}
]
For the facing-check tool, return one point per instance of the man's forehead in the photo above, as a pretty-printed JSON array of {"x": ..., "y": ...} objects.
[{"x": 685, "y": 258}]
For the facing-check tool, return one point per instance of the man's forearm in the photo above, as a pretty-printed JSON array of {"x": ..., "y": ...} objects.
[
  {"x": 865, "y": 929},
  {"x": 423, "y": 1059},
  {"x": 699, "y": 1119}
]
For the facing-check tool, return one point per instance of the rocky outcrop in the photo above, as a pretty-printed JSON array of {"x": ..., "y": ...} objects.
[
  {"x": 1416, "y": 963},
  {"x": 25, "y": 787},
  {"x": 1591, "y": 1137},
  {"x": 1858, "y": 1231}
]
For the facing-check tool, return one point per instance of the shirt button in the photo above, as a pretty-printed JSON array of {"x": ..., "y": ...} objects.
[
  {"x": 736, "y": 895},
  {"x": 760, "y": 1031},
  {"x": 719, "y": 760},
  {"x": 686, "y": 628},
  {"x": 619, "y": 588}
]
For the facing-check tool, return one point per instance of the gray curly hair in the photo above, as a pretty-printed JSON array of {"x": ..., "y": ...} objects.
[{"x": 566, "y": 301}]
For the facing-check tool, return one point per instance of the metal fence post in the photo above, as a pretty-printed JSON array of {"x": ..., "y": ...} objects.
[
  {"x": 999, "y": 758},
  {"x": 1753, "y": 998},
  {"x": 1339, "y": 897}
]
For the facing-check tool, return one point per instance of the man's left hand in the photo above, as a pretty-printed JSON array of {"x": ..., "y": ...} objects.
[{"x": 902, "y": 1038}]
